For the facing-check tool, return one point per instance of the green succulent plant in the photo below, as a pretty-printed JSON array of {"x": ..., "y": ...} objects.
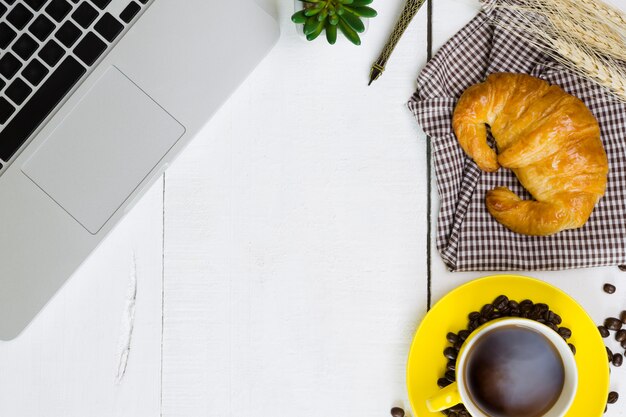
[{"x": 331, "y": 16}]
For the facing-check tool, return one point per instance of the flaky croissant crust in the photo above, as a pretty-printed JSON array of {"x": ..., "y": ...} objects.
[{"x": 548, "y": 138}]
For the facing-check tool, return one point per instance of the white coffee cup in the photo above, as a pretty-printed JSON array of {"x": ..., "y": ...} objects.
[{"x": 458, "y": 392}]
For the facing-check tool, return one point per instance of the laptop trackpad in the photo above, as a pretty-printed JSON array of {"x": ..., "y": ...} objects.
[{"x": 103, "y": 150}]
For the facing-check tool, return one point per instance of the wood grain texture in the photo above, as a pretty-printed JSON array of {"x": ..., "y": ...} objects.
[
  {"x": 65, "y": 363},
  {"x": 585, "y": 285},
  {"x": 295, "y": 268}
]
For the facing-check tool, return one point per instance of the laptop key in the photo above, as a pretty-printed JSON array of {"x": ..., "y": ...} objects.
[
  {"x": 51, "y": 53},
  {"x": 41, "y": 27},
  {"x": 6, "y": 35},
  {"x": 39, "y": 106},
  {"x": 19, "y": 16},
  {"x": 35, "y": 4},
  {"x": 109, "y": 27},
  {"x": 3, "y": 9},
  {"x": 130, "y": 11},
  {"x": 58, "y": 9},
  {"x": 90, "y": 48},
  {"x": 9, "y": 2},
  {"x": 34, "y": 72},
  {"x": 6, "y": 110},
  {"x": 9, "y": 65},
  {"x": 68, "y": 34},
  {"x": 2, "y": 84},
  {"x": 85, "y": 14},
  {"x": 25, "y": 46},
  {"x": 18, "y": 91},
  {"x": 101, "y": 4}
]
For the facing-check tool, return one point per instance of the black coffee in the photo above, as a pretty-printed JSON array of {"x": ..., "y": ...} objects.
[{"x": 514, "y": 371}]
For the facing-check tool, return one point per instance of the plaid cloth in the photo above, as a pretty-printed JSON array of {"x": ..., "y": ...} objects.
[{"x": 468, "y": 238}]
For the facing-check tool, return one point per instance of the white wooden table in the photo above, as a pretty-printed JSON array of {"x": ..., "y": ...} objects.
[{"x": 282, "y": 263}]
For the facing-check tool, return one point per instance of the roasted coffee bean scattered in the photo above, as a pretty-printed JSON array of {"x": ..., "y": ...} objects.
[
  {"x": 397, "y": 412},
  {"x": 451, "y": 366},
  {"x": 450, "y": 376},
  {"x": 501, "y": 302},
  {"x": 450, "y": 353},
  {"x": 603, "y": 331},
  {"x": 612, "y": 323},
  {"x": 572, "y": 347},
  {"x": 620, "y": 335},
  {"x": 487, "y": 310},
  {"x": 622, "y": 268},
  {"x": 617, "y": 360},
  {"x": 452, "y": 338},
  {"x": 623, "y": 344},
  {"x": 609, "y": 288},
  {"x": 442, "y": 382},
  {"x": 474, "y": 315},
  {"x": 622, "y": 317},
  {"x": 613, "y": 397},
  {"x": 609, "y": 354},
  {"x": 464, "y": 334},
  {"x": 565, "y": 332}
]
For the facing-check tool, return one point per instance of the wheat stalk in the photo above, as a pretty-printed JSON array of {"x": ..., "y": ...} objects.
[{"x": 589, "y": 37}]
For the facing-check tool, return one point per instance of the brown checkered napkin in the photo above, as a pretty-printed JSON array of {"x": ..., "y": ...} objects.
[{"x": 468, "y": 238}]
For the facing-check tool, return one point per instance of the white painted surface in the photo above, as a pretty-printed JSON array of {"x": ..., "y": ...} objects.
[
  {"x": 295, "y": 255},
  {"x": 65, "y": 363}
]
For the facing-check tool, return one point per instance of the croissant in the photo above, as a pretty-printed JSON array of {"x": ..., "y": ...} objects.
[{"x": 548, "y": 138}]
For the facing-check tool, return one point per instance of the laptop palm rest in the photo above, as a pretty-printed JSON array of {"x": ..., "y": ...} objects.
[{"x": 103, "y": 149}]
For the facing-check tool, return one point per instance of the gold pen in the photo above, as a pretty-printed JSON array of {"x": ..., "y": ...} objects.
[{"x": 410, "y": 10}]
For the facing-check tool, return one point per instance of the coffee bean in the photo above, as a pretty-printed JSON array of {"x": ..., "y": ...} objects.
[
  {"x": 622, "y": 317},
  {"x": 397, "y": 412},
  {"x": 603, "y": 331},
  {"x": 565, "y": 332},
  {"x": 542, "y": 321},
  {"x": 442, "y": 382},
  {"x": 613, "y": 397},
  {"x": 501, "y": 302},
  {"x": 617, "y": 360},
  {"x": 612, "y": 323},
  {"x": 450, "y": 376},
  {"x": 515, "y": 312},
  {"x": 548, "y": 316},
  {"x": 609, "y": 354},
  {"x": 526, "y": 305},
  {"x": 451, "y": 366},
  {"x": 572, "y": 347},
  {"x": 457, "y": 345},
  {"x": 622, "y": 268},
  {"x": 473, "y": 325},
  {"x": 474, "y": 315},
  {"x": 609, "y": 288},
  {"x": 450, "y": 353},
  {"x": 513, "y": 304},
  {"x": 483, "y": 320},
  {"x": 445, "y": 412},
  {"x": 495, "y": 315},
  {"x": 620, "y": 335},
  {"x": 463, "y": 334},
  {"x": 487, "y": 310},
  {"x": 557, "y": 319},
  {"x": 452, "y": 337},
  {"x": 457, "y": 408},
  {"x": 553, "y": 327}
]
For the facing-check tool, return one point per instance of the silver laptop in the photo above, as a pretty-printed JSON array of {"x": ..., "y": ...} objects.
[{"x": 97, "y": 97}]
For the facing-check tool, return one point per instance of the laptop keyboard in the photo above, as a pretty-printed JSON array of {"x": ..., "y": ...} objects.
[{"x": 46, "y": 48}]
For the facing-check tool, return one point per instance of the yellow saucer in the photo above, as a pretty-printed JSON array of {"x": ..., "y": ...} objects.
[{"x": 426, "y": 361}]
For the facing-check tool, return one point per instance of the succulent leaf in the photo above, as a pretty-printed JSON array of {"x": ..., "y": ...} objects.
[
  {"x": 310, "y": 25},
  {"x": 349, "y": 32},
  {"x": 318, "y": 29},
  {"x": 363, "y": 11},
  {"x": 331, "y": 33},
  {"x": 354, "y": 22},
  {"x": 359, "y": 3},
  {"x": 298, "y": 17}
]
